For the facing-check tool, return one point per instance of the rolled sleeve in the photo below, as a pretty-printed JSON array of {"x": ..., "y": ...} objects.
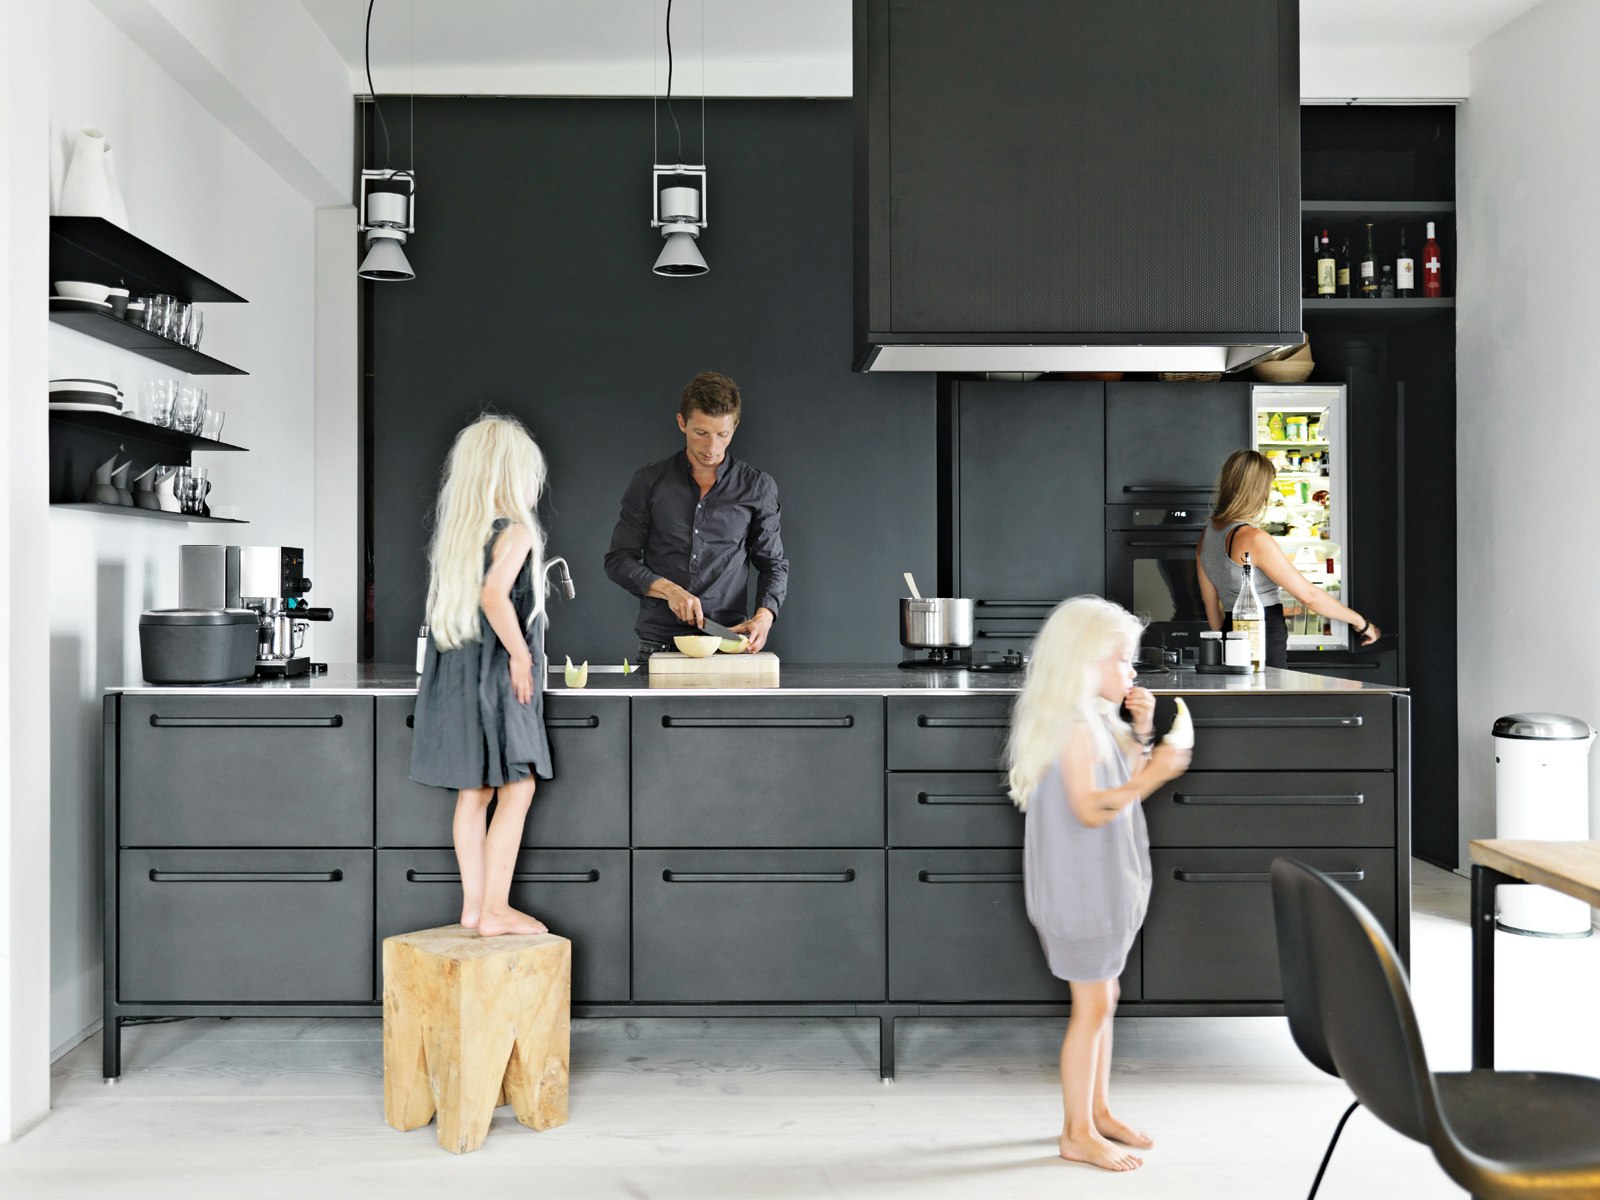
[
  {"x": 766, "y": 550},
  {"x": 625, "y": 565}
]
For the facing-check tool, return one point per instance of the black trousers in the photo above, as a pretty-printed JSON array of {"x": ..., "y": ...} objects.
[{"x": 1277, "y": 634}]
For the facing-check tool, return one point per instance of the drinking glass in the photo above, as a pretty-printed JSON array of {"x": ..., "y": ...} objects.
[
  {"x": 156, "y": 397},
  {"x": 189, "y": 410},
  {"x": 177, "y": 320},
  {"x": 157, "y": 312},
  {"x": 193, "y": 327},
  {"x": 211, "y": 427},
  {"x": 195, "y": 501}
]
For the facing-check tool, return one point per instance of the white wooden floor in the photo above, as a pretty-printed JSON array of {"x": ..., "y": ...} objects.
[{"x": 694, "y": 1109}]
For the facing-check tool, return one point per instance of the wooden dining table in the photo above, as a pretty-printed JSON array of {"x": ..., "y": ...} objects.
[{"x": 1572, "y": 868}]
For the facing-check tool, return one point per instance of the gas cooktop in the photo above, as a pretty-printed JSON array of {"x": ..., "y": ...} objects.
[{"x": 963, "y": 660}]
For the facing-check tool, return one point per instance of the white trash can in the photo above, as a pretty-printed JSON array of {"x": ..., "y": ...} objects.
[{"x": 1541, "y": 793}]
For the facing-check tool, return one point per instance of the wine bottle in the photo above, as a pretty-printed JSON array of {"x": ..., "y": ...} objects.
[
  {"x": 1386, "y": 283},
  {"x": 1344, "y": 268},
  {"x": 1327, "y": 268},
  {"x": 1247, "y": 615},
  {"x": 1311, "y": 268},
  {"x": 1432, "y": 276},
  {"x": 1369, "y": 268},
  {"x": 1405, "y": 271}
]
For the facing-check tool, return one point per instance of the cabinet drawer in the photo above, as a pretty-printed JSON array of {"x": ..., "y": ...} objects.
[
  {"x": 1166, "y": 441},
  {"x": 947, "y": 733},
  {"x": 1292, "y": 733},
  {"x": 245, "y": 926},
  {"x": 246, "y": 771},
  {"x": 768, "y": 771},
  {"x": 758, "y": 925},
  {"x": 1209, "y": 933},
  {"x": 580, "y": 894},
  {"x": 1274, "y": 808},
  {"x": 952, "y": 808},
  {"x": 959, "y": 931},
  {"x": 586, "y": 804}
]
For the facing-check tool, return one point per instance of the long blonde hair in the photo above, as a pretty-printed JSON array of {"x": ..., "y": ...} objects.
[
  {"x": 1243, "y": 487},
  {"x": 494, "y": 470},
  {"x": 1062, "y": 685}
]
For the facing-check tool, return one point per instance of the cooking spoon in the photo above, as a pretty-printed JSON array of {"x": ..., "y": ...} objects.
[{"x": 912, "y": 584}]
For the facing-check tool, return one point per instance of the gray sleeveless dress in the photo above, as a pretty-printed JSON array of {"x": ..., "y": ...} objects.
[
  {"x": 1087, "y": 889},
  {"x": 470, "y": 730}
]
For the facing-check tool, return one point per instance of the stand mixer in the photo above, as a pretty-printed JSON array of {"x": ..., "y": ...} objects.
[{"x": 272, "y": 582}]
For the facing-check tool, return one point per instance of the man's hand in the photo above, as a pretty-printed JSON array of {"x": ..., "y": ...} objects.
[
  {"x": 756, "y": 629},
  {"x": 684, "y": 605}
]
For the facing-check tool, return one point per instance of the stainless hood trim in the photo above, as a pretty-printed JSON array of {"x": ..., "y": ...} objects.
[{"x": 1087, "y": 356}]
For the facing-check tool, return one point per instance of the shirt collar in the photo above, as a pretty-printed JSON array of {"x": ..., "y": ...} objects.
[{"x": 687, "y": 467}]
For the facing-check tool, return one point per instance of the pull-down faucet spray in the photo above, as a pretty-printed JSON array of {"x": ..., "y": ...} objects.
[{"x": 563, "y": 577}]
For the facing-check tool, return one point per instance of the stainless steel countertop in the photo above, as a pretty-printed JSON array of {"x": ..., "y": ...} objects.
[{"x": 797, "y": 679}]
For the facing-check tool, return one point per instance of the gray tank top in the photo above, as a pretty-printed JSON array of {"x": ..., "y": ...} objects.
[{"x": 1227, "y": 575}]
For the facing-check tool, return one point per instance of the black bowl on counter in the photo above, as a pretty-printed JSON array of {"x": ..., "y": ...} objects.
[{"x": 197, "y": 645}]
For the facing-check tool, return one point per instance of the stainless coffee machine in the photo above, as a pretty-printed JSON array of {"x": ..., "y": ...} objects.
[{"x": 268, "y": 579}]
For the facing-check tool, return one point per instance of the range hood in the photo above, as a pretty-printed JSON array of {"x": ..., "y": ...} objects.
[{"x": 1069, "y": 185}]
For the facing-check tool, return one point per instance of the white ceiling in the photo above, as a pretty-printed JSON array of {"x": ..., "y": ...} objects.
[{"x": 751, "y": 47}]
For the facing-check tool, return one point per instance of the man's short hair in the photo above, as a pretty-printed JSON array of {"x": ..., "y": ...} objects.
[{"x": 713, "y": 394}]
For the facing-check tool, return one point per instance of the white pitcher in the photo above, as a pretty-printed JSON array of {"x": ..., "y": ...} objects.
[{"x": 90, "y": 187}]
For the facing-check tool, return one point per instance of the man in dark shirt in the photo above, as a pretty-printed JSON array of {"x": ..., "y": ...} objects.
[{"x": 694, "y": 523}]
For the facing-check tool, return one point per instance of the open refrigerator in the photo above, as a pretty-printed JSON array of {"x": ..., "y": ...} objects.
[{"x": 1303, "y": 429}]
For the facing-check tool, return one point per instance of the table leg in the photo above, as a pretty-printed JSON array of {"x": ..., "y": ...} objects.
[{"x": 1484, "y": 882}]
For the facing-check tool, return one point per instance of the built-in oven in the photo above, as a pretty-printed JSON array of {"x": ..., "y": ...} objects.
[{"x": 1151, "y": 569}]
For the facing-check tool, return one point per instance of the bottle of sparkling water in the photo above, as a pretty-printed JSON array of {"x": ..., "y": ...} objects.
[{"x": 1248, "y": 618}]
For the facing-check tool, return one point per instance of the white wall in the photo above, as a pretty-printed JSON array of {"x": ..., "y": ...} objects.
[
  {"x": 199, "y": 191},
  {"x": 1528, "y": 408},
  {"x": 24, "y": 656}
]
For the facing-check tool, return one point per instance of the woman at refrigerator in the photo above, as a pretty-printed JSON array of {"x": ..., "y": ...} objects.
[{"x": 1243, "y": 488}]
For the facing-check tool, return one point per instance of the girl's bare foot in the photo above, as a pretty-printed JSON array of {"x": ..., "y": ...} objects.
[
  {"x": 469, "y": 919},
  {"x": 1108, "y": 1126},
  {"x": 1098, "y": 1152},
  {"x": 494, "y": 922}
]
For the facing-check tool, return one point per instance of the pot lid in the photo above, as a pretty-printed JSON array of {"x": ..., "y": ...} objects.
[
  {"x": 198, "y": 616},
  {"x": 1538, "y": 726}
]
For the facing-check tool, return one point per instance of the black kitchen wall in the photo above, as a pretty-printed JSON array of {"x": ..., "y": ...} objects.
[{"x": 534, "y": 296}]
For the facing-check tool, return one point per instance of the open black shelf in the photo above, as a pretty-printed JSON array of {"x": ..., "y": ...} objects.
[
  {"x": 93, "y": 249},
  {"x": 135, "y": 430},
  {"x": 125, "y": 511},
  {"x": 1395, "y": 308},
  {"x": 107, "y": 328}
]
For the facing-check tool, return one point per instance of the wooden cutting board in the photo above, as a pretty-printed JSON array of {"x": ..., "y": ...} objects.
[{"x": 738, "y": 668}]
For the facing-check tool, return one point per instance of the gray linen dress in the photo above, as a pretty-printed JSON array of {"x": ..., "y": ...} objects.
[
  {"x": 470, "y": 731},
  {"x": 1087, "y": 889}
]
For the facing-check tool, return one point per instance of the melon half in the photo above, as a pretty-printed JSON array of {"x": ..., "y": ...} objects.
[{"x": 1181, "y": 735}]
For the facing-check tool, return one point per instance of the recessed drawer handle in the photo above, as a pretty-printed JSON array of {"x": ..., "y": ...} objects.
[
  {"x": 1183, "y": 798},
  {"x": 757, "y": 722},
  {"x": 848, "y": 876},
  {"x": 925, "y": 722},
  {"x": 1162, "y": 543},
  {"x": 572, "y": 722},
  {"x": 925, "y": 798},
  {"x": 1278, "y": 722},
  {"x": 1018, "y": 603},
  {"x": 1166, "y": 487},
  {"x": 333, "y": 722},
  {"x": 969, "y": 877},
  {"x": 1256, "y": 876},
  {"x": 590, "y": 876},
  {"x": 246, "y": 876}
]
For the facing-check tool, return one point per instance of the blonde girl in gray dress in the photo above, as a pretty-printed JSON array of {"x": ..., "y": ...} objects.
[
  {"x": 479, "y": 725},
  {"x": 1080, "y": 773}
]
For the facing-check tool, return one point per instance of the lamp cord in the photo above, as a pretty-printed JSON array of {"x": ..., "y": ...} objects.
[
  {"x": 366, "y": 58},
  {"x": 670, "y": 113}
]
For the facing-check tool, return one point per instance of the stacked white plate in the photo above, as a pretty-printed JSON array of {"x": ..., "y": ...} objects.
[{"x": 85, "y": 395}]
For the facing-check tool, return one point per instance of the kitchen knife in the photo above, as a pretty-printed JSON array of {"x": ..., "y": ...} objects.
[{"x": 718, "y": 630}]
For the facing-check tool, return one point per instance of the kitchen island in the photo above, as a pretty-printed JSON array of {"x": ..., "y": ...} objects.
[{"x": 839, "y": 844}]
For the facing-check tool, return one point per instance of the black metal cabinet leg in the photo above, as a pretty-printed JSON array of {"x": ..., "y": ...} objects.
[
  {"x": 886, "y": 1049},
  {"x": 1484, "y": 882},
  {"x": 111, "y": 1047}
]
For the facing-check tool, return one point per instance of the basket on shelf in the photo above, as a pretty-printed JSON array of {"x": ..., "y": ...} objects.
[
  {"x": 1294, "y": 367},
  {"x": 1189, "y": 376}
]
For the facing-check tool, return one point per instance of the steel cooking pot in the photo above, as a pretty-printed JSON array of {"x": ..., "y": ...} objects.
[{"x": 936, "y": 623}]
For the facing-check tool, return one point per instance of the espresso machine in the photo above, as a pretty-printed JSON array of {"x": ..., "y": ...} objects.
[{"x": 272, "y": 581}]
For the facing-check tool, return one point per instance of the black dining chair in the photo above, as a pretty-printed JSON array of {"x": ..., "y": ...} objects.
[{"x": 1499, "y": 1134}]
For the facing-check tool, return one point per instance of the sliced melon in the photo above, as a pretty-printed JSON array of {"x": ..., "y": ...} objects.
[
  {"x": 627, "y": 667},
  {"x": 734, "y": 645},
  {"x": 1181, "y": 735},
  {"x": 577, "y": 677},
  {"x": 701, "y": 645}
]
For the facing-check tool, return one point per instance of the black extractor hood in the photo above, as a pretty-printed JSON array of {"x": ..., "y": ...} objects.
[{"x": 1076, "y": 185}]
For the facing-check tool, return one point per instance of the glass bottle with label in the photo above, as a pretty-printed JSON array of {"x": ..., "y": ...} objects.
[
  {"x": 1343, "y": 277},
  {"x": 1248, "y": 617},
  {"x": 1432, "y": 275},
  {"x": 1327, "y": 268},
  {"x": 1369, "y": 269},
  {"x": 1405, "y": 270}
]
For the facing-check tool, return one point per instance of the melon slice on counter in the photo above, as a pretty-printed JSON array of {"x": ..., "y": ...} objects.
[
  {"x": 734, "y": 645},
  {"x": 1181, "y": 735},
  {"x": 577, "y": 677}
]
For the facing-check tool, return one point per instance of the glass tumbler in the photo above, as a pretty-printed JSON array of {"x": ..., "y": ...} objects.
[
  {"x": 156, "y": 397},
  {"x": 157, "y": 312},
  {"x": 211, "y": 427},
  {"x": 189, "y": 410},
  {"x": 193, "y": 327}
]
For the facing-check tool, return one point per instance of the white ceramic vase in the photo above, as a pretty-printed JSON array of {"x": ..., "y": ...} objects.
[{"x": 90, "y": 187}]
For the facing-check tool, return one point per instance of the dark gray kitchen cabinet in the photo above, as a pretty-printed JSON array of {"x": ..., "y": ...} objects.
[
  {"x": 245, "y": 926},
  {"x": 1274, "y": 808},
  {"x": 952, "y": 808},
  {"x": 774, "y": 771},
  {"x": 959, "y": 931},
  {"x": 715, "y": 926},
  {"x": 1165, "y": 442},
  {"x": 1029, "y": 475},
  {"x": 580, "y": 894},
  {"x": 1293, "y": 733},
  {"x": 947, "y": 733},
  {"x": 586, "y": 804},
  {"x": 1209, "y": 933},
  {"x": 233, "y": 770}
]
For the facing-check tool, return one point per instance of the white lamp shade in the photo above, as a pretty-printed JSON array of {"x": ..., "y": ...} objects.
[
  {"x": 680, "y": 256},
  {"x": 385, "y": 260}
]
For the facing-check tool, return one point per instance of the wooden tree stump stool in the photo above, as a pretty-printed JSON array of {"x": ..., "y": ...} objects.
[{"x": 470, "y": 1023}]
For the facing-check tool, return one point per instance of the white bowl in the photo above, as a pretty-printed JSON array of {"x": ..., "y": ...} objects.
[{"x": 78, "y": 289}]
